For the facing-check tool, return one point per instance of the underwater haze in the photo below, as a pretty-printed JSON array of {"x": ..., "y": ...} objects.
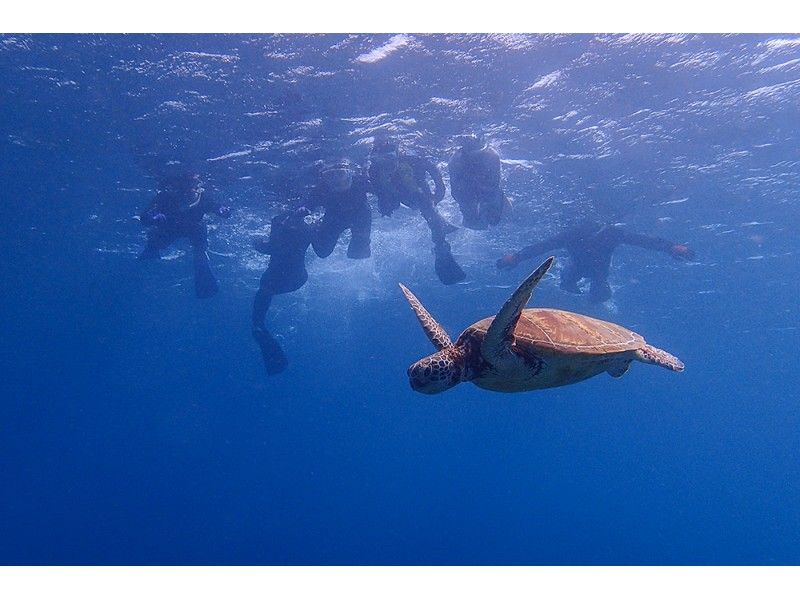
[{"x": 139, "y": 425}]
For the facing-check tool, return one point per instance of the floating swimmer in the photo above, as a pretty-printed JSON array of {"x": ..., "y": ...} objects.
[
  {"x": 177, "y": 212},
  {"x": 590, "y": 246}
]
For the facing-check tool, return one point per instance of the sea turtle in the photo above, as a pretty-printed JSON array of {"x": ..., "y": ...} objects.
[{"x": 527, "y": 349}]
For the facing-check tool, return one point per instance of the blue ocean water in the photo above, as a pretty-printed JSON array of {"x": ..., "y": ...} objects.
[{"x": 139, "y": 427}]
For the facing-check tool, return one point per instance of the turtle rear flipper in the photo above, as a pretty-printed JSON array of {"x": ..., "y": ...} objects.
[
  {"x": 497, "y": 343},
  {"x": 656, "y": 356}
]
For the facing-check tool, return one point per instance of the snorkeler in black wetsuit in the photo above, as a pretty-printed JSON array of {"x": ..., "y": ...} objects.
[
  {"x": 290, "y": 236},
  {"x": 399, "y": 177},
  {"x": 177, "y": 212},
  {"x": 475, "y": 183},
  {"x": 590, "y": 247},
  {"x": 342, "y": 191}
]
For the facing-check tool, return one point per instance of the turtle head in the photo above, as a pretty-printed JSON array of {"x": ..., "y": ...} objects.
[
  {"x": 445, "y": 368},
  {"x": 438, "y": 372}
]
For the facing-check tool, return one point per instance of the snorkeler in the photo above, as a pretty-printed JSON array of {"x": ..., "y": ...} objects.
[
  {"x": 177, "y": 212},
  {"x": 341, "y": 189},
  {"x": 289, "y": 238},
  {"x": 475, "y": 183},
  {"x": 590, "y": 246},
  {"x": 400, "y": 177}
]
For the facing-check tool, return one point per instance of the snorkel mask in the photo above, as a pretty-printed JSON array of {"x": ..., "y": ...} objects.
[
  {"x": 472, "y": 143},
  {"x": 337, "y": 177},
  {"x": 184, "y": 189},
  {"x": 385, "y": 153}
]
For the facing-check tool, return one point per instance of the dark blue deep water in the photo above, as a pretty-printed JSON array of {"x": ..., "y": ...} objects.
[{"x": 139, "y": 427}]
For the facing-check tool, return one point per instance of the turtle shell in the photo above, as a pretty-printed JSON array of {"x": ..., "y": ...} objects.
[{"x": 566, "y": 333}]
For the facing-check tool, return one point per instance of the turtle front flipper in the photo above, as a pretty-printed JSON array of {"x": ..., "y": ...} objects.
[
  {"x": 497, "y": 342},
  {"x": 656, "y": 356},
  {"x": 432, "y": 328}
]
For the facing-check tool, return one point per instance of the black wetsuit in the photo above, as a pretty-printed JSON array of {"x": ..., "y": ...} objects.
[
  {"x": 590, "y": 247},
  {"x": 288, "y": 241},
  {"x": 476, "y": 186},
  {"x": 408, "y": 185},
  {"x": 175, "y": 215},
  {"x": 343, "y": 210}
]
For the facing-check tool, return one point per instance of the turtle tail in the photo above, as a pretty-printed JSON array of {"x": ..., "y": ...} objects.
[{"x": 656, "y": 356}]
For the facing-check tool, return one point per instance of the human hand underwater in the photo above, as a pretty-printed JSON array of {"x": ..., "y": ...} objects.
[
  {"x": 682, "y": 253},
  {"x": 507, "y": 262}
]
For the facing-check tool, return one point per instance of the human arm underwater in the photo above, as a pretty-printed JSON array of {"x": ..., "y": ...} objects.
[
  {"x": 513, "y": 259},
  {"x": 209, "y": 206},
  {"x": 287, "y": 228},
  {"x": 676, "y": 250},
  {"x": 422, "y": 167},
  {"x": 152, "y": 215},
  {"x": 438, "y": 182}
]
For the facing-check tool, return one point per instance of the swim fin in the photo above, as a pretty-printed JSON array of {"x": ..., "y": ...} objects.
[
  {"x": 448, "y": 271},
  {"x": 275, "y": 360},
  {"x": 205, "y": 284}
]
